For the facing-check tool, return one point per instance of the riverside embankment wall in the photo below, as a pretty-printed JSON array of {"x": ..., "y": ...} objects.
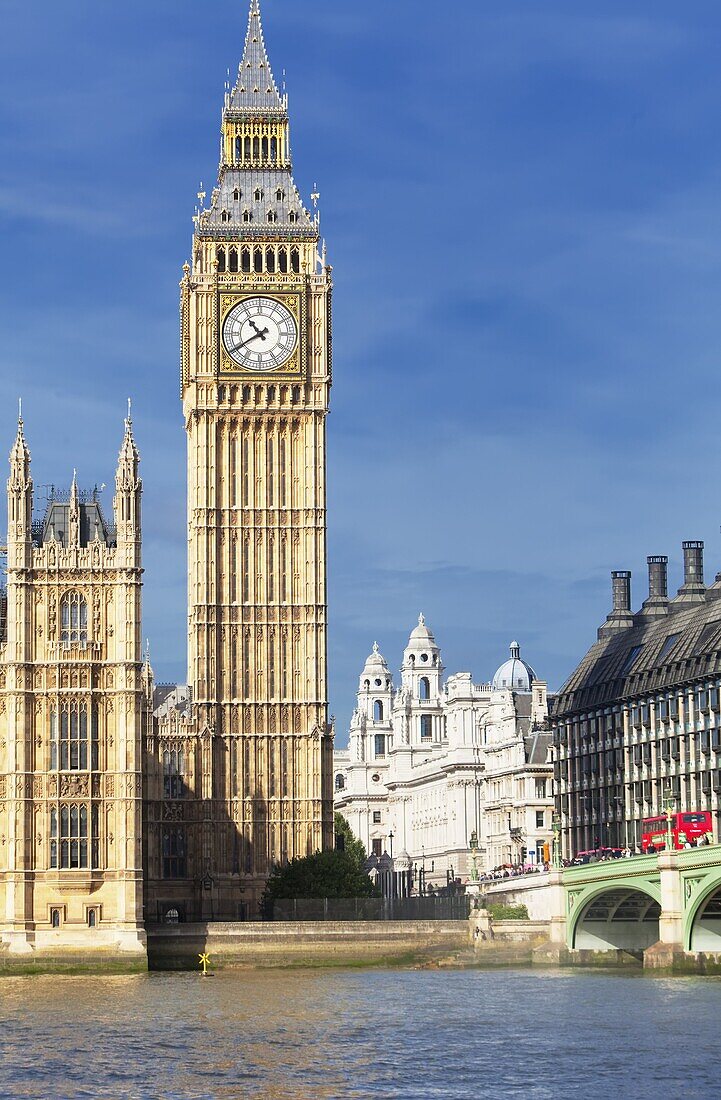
[{"x": 304, "y": 943}]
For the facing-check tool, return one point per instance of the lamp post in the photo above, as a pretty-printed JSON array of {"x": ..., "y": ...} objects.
[
  {"x": 556, "y": 844},
  {"x": 669, "y": 805},
  {"x": 422, "y": 880},
  {"x": 473, "y": 845},
  {"x": 390, "y": 838}
]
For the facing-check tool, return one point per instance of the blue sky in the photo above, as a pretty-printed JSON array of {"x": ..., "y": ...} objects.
[{"x": 521, "y": 203}]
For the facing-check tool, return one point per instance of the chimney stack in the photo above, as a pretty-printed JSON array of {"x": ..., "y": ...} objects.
[
  {"x": 657, "y": 602},
  {"x": 693, "y": 589},
  {"x": 621, "y": 617}
]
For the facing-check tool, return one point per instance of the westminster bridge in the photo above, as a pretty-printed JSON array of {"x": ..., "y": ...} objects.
[{"x": 660, "y": 906}]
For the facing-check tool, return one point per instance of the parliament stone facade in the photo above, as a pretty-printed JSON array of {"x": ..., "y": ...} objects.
[{"x": 122, "y": 804}]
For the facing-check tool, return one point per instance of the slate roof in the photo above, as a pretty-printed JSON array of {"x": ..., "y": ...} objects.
[
  {"x": 256, "y": 92},
  {"x": 655, "y": 654},
  {"x": 247, "y": 182}
]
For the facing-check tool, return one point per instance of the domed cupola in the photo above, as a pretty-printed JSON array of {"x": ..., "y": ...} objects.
[
  {"x": 515, "y": 674},
  {"x": 376, "y": 676},
  {"x": 421, "y": 651}
]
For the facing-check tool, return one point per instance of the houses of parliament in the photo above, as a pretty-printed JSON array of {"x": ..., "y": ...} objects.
[{"x": 123, "y": 804}]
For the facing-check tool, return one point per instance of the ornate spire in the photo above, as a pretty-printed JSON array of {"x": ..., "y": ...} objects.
[
  {"x": 126, "y": 477},
  {"x": 256, "y": 89},
  {"x": 20, "y": 461},
  {"x": 74, "y": 512}
]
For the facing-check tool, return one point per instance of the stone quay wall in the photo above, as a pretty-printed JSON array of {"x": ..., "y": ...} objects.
[{"x": 305, "y": 943}]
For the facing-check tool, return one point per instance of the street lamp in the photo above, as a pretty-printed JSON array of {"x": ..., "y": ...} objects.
[
  {"x": 390, "y": 837},
  {"x": 669, "y": 805},
  {"x": 556, "y": 852}
]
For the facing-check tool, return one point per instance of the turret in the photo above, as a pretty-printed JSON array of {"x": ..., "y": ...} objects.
[
  {"x": 128, "y": 490},
  {"x": 20, "y": 503},
  {"x": 422, "y": 668}
]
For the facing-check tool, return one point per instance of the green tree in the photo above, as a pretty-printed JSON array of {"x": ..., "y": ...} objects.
[
  {"x": 323, "y": 875},
  {"x": 352, "y": 846}
]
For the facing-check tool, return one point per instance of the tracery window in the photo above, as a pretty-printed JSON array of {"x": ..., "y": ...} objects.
[
  {"x": 69, "y": 742},
  {"x": 174, "y": 861},
  {"x": 73, "y": 620},
  {"x": 72, "y": 844},
  {"x": 173, "y": 774}
]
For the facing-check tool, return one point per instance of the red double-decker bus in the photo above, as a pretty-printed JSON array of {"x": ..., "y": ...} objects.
[{"x": 685, "y": 827}]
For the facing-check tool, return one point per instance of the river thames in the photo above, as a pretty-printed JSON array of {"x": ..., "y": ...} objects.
[{"x": 370, "y": 1033}]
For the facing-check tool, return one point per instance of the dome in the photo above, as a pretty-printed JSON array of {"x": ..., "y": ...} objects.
[
  {"x": 515, "y": 674},
  {"x": 421, "y": 633},
  {"x": 376, "y": 673}
]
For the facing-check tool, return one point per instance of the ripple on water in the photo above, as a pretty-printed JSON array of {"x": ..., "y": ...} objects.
[{"x": 309, "y": 1035}]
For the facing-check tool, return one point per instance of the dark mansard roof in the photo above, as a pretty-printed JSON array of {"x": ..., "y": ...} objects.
[{"x": 655, "y": 654}]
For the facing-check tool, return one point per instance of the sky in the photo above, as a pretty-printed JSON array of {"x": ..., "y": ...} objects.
[{"x": 521, "y": 206}]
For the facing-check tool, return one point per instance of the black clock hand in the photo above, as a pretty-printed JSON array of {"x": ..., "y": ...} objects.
[
  {"x": 257, "y": 329},
  {"x": 250, "y": 339}
]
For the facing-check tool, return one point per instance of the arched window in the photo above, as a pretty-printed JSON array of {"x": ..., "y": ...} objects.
[
  {"x": 283, "y": 261},
  {"x": 220, "y": 255},
  {"x": 247, "y": 216},
  {"x": 238, "y": 148},
  {"x": 256, "y": 148},
  {"x": 69, "y": 842},
  {"x": 274, "y": 149},
  {"x": 426, "y": 727},
  {"x": 292, "y": 217},
  {"x": 225, "y": 216},
  {"x": 272, "y": 217},
  {"x": 73, "y": 620},
  {"x": 295, "y": 260},
  {"x": 270, "y": 260},
  {"x": 378, "y": 711},
  {"x": 258, "y": 260},
  {"x": 340, "y": 782},
  {"x": 236, "y": 194},
  {"x": 280, "y": 194},
  {"x": 55, "y": 918},
  {"x": 233, "y": 259},
  {"x": 424, "y": 688},
  {"x": 246, "y": 148},
  {"x": 265, "y": 148},
  {"x": 258, "y": 195},
  {"x": 69, "y": 738},
  {"x": 174, "y": 865},
  {"x": 92, "y": 918},
  {"x": 173, "y": 774},
  {"x": 246, "y": 260}
]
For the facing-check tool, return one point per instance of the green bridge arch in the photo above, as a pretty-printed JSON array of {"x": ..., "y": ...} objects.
[{"x": 618, "y": 888}]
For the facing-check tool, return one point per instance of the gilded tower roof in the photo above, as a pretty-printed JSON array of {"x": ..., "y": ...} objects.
[
  {"x": 255, "y": 91},
  {"x": 256, "y": 197}
]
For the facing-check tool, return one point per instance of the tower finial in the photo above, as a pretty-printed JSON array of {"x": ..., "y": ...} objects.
[
  {"x": 421, "y": 619},
  {"x": 376, "y": 647},
  {"x": 20, "y": 410},
  {"x": 130, "y": 410}
]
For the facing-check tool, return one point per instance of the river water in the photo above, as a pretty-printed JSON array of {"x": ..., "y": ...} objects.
[{"x": 308, "y": 1035}]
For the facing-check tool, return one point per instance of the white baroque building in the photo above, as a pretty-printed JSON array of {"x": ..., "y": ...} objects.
[{"x": 432, "y": 762}]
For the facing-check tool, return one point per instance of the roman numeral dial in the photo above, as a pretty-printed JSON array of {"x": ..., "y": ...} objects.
[{"x": 260, "y": 334}]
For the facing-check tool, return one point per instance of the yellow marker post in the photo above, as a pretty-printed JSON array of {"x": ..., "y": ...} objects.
[{"x": 205, "y": 963}]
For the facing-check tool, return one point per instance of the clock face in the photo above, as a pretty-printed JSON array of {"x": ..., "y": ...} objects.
[{"x": 260, "y": 334}]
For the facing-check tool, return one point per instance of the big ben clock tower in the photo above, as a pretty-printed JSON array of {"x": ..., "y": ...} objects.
[{"x": 256, "y": 378}]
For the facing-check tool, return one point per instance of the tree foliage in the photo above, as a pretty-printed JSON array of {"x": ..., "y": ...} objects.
[
  {"x": 323, "y": 875},
  {"x": 352, "y": 846}
]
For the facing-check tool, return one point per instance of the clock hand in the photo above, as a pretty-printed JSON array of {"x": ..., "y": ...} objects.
[{"x": 250, "y": 339}]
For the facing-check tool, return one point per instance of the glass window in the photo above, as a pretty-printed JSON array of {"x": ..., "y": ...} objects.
[
  {"x": 69, "y": 838},
  {"x": 376, "y": 817},
  {"x": 426, "y": 727},
  {"x": 424, "y": 689},
  {"x": 73, "y": 620},
  {"x": 540, "y": 819},
  {"x": 380, "y": 744},
  {"x": 174, "y": 864},
  {"x": 173, "y": 774},
  {"x": 378, "y": 711}
]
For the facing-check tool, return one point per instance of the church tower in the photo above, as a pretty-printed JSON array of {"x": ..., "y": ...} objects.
[{"x": 255, "y": 383}]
